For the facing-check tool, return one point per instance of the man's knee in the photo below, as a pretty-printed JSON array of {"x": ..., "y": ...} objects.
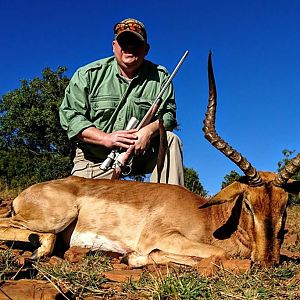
[
  {"x": 172, "y": 136},
  {"x": 173, "y": 140}
]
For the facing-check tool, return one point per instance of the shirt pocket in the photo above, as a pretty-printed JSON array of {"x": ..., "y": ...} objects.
[
  {"x": 102, "y": 108},
  {"x": 141, "y": 106}
]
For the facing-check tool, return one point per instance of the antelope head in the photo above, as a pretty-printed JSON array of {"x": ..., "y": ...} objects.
[{"x": 263, "y": 195}]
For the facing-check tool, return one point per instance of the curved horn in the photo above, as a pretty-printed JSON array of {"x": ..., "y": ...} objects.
[
  {"x": 287, "y": 172},
  {"x": 211, "y": 135}
]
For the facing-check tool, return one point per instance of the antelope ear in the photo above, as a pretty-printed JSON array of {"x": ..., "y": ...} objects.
[
  {"x": 293, "y": 187},
  {"x": 228, "y": 194}
]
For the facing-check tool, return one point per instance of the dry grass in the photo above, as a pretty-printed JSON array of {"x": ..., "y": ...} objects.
[
  {"x": 6, "y": 193},
  {"x": 293, "y": 225},
  {"x": 80, "y": 278}
]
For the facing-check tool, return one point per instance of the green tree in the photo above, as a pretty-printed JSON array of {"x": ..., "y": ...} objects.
[
  {"x": 230, "y": 178},
  {"x": 33, "y": 146},
  {"x": 192, "y": 182}
]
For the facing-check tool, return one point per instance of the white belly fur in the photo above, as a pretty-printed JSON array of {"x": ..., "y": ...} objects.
[{"x": 96, "y": 242}]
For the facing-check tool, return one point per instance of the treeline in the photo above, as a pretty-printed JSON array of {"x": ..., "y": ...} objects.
[{"x": 33, "y": 146}]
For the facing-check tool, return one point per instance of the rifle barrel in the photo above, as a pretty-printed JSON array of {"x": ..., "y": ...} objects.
[{"x": 163, "y": 89}]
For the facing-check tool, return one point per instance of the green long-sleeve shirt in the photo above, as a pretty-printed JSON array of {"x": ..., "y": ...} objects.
[{"x": 98, "y": 96}]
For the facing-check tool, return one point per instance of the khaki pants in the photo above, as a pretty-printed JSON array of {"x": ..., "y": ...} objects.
[{"x": 172, "y": 172}]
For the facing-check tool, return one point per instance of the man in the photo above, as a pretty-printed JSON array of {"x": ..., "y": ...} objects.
[{"x": 104, "y": 95}]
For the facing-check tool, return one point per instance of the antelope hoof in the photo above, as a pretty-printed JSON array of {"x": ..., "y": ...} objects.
[
  {"x": 34, "y": 240},
  {"x": 34, "y": 255}
]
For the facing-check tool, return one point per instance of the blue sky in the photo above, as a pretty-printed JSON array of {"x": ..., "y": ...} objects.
[{"x": 255, "y": 45}]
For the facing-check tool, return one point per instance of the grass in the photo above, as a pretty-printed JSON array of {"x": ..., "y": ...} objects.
[
  {"x": 80, "y": 278},
  {"x": 8, "y": 264},
  {"x": 84, "y": 278},
  {"x": 8, "y": 193},
  {"x": 274, "y": 283},
  {"x": 185, "y": 284}
]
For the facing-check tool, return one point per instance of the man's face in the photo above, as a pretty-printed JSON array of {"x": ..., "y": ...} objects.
[{"x": 129, "y": 51}]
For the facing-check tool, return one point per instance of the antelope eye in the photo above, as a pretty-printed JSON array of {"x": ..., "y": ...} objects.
[
  {"x": 248, "y": 208},
  {"x": 284, "y": 215}
]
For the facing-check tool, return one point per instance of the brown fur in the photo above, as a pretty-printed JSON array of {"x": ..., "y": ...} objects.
[{"x": 155, "y": 221}]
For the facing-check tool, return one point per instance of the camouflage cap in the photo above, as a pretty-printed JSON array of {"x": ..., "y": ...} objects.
[{"x": 131, "y": 25}]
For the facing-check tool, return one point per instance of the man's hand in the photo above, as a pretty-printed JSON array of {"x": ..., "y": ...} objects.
[
  {"x": 118, "y": 139},
  {"x": 121, "y": 139},
  {"x": 144, "y": 136}
]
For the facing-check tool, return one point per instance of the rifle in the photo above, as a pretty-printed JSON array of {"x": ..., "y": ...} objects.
[{"x": 117, "y": 158}]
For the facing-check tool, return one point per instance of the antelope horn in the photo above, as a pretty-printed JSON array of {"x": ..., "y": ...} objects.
[
  {"x": 212, "y": 136},
  {"x": 287, "y": 172}
]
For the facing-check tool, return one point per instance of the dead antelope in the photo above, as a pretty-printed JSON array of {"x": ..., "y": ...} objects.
[{"x": 157, "y": 222}]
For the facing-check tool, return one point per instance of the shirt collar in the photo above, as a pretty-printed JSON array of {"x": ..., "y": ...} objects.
[{"x": 120, "y": 76}]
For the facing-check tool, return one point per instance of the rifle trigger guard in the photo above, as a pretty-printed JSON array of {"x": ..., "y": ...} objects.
[{"x": 126, "y": 170}]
